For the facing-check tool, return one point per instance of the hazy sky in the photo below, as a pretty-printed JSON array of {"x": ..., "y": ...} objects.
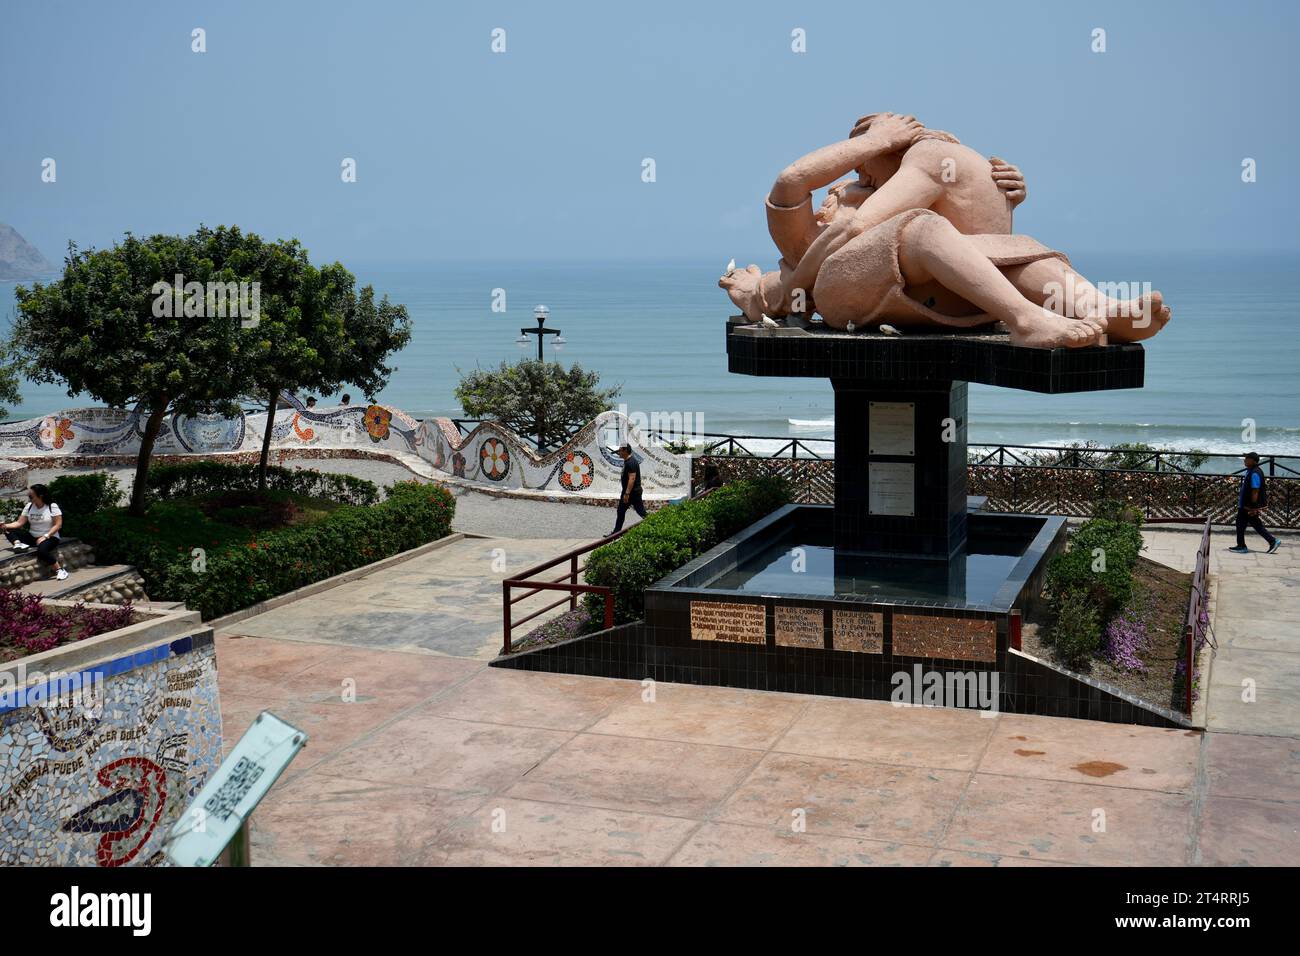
[{"x": 537, "y": 152}]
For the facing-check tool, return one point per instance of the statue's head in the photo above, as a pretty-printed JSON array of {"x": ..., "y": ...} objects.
[
  {"x": 848, "y": 193},
  {"x": 877, "y": 171}
]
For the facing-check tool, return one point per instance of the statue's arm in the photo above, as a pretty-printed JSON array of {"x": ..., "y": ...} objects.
[
  {"x": 886, "y": 134},
  {"x": 912, "y": 187},
  {"x": 909, "y": 188}
]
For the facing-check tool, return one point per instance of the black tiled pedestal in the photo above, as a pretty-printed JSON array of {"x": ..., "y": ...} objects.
[
  {"x": 911, "y": 501},
  {"x": 890, "y": 498}
]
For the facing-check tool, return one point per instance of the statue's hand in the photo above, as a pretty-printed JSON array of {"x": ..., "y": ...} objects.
[
  {"x": 898, "y": 132},
  {"x": 1009, "y": 179}
]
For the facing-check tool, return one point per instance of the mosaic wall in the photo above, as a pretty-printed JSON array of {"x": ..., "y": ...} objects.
[
  {"x": 101, "y": 786},
  {"x": 491, "y": 455},
  {"x": 585, "y": 465},
  {"x": 81, "y": 432},
  {"x": 13, "y": 477}
]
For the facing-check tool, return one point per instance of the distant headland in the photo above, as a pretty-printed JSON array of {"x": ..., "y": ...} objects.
[{"x": 19, "y": 259}]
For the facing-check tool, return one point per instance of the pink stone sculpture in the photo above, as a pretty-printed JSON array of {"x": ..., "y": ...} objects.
[{"x": 922, "y": 239}]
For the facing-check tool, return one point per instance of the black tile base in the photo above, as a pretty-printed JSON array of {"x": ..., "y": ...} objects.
[
  {"x": 1026, "y": 685},
  {"x": 935, "y": 465}
]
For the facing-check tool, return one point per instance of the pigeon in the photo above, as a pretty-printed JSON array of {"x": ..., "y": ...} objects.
[
  {"x": 771, "y": 323},
  {"x": 731, "y": 267},
  {"x": 889, "y": 330}
]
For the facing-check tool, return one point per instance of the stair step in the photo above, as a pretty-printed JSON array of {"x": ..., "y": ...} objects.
[
  {"x": 161, "y": 605},
  {"x": 19, "y": 568},
  {"x": 80, "y": 580}
]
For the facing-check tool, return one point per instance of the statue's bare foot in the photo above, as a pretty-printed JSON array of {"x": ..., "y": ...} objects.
[
  {"x": 1047, "y": 330},
  {"x": 1137, "y": 319},
  {"x": 741, "y": 286}
]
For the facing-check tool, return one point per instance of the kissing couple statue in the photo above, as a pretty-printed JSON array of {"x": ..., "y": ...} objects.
[{"x": 922, "y": 239}]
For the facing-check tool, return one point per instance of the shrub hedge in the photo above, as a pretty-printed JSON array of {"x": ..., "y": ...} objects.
[
  {"x": 79, "y": 496},
  {"x": 1099, "y": 562},
  {"x": 76, "y": 495},
  {"x": 672, "y": 536},
  {"x": 1076, "y": 634},
  {"x": 226, "y": 579},
  {"x": 1091, "y": 581},
  {"x": 192, "y": 479}
]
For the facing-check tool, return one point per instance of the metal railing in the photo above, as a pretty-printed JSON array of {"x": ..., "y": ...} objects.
[
  {"x": 567, "y": 582},
  {"x": 1062, "y": 456},
  {"x": 734, "y": 445},
  {"x": 1030, "y": 479}
]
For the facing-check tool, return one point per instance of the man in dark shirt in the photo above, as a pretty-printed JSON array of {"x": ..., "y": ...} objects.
[
  {"x": 1250, "y": 502},
  {"x": 630, "y": 486}
]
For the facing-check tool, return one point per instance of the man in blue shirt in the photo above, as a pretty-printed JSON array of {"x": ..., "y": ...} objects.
[{"x": 1250, "y": 502}]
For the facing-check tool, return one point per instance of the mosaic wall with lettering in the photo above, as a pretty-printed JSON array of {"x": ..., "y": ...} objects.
[
  {"x": 101, "y": 786},
  {"x": 727, "y": 621},
  {"x": 800, "y": 626},
  {"x": 862, "y": 632}
]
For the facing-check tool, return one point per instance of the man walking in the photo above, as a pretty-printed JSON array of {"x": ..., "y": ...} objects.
[
  {"x": 1251, "y": 501},
  {"x": 630, "y": 485}
]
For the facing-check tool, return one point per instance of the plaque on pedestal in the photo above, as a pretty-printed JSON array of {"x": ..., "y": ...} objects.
[
  {"x": 891, "y": 488},
  {"x": 891, "y": 427}
]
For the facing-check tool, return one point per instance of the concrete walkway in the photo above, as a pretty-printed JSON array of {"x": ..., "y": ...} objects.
[
  {"x": 444, "y": 602},
  {"x": 1254, "y": 680},
  {"x": 421, "y": 754}
]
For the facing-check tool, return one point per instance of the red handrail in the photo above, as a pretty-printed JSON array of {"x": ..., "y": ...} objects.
[
  {"x": 1195, "y": 608},
  {"x": 567, "y": 582}
]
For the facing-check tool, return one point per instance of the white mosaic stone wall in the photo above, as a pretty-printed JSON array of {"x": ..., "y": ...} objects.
[
  {"x": 87, "y": 788},
  {"x": 491, "y": 455},
  {"x": 494, "y": 456},
  {"x": 13, "y": 478}
]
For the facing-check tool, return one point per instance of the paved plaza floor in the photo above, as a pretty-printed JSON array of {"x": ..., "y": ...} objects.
[{"x": 420, "y": 754}]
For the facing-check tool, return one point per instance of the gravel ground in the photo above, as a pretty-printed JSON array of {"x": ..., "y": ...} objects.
[{"x": 476, "y": 513}]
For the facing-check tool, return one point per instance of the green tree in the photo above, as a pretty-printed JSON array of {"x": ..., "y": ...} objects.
[
  {"x": 107, "y": 328},
  {"x": 541, "y": 400},
  {"x": 325, "y": 334},
  {"x": 8, "y": 380}
]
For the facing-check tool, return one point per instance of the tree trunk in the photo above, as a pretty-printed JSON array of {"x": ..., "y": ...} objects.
[
  {"x": 266, "y": 438},
  {"x": 140, "y": 490}
]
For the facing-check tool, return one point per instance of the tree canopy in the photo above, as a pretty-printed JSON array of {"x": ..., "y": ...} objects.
[
  {"x": 191, "y": 324},
  {"x": 539, "y": 400},
  {"x": 8, "y": 382}
]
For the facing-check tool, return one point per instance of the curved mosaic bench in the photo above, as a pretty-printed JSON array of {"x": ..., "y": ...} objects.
[{"x": 492, "y": 456}]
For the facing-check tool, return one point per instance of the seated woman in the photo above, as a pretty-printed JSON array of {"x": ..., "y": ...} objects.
[{"x": 44, "y": 520}]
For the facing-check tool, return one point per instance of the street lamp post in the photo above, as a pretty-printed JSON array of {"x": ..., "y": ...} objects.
[{"x": 540, "y": 313}]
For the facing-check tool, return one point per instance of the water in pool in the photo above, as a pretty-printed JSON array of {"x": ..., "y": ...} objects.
[{"x": 790, "y": 567}]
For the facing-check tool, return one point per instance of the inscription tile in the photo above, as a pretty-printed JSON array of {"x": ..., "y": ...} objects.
[
  {"x": 800, "y": 626},
  {"x": 727, "y": 621},
  {"x": 862, "y": 632},
  {"x": 956, "y": 638}
]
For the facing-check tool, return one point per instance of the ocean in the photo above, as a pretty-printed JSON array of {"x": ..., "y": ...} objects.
[{"x": 656, "y": 329}]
